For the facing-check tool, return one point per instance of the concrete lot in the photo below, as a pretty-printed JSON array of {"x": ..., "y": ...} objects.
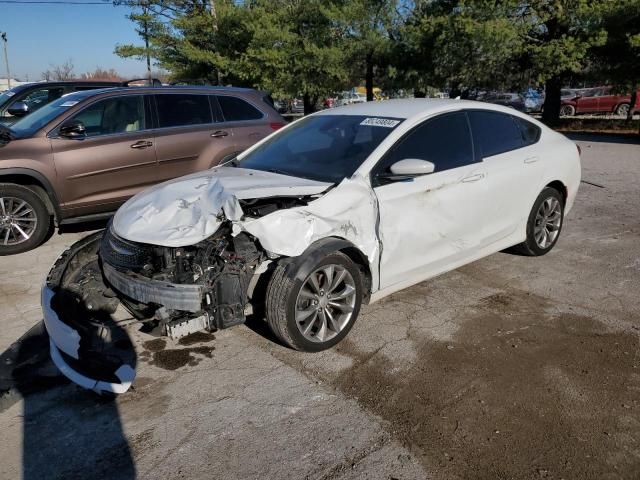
[{"x": 511, "y": 367}]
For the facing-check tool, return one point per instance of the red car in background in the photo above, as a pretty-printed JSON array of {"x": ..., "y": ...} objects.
[{"x": 597, "y": 100}]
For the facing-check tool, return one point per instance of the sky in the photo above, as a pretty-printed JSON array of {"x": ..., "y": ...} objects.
[{"x": 41, "y": 35}]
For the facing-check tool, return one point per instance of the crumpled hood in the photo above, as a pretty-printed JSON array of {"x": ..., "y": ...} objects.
[{"x": 187, "y": 210}]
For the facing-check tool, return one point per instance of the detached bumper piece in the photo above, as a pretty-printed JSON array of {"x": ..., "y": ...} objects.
[{"x": 87, "y": 343}]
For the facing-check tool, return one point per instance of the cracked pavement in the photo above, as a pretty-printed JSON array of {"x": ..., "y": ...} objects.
[{"x": 510, "y": 367}]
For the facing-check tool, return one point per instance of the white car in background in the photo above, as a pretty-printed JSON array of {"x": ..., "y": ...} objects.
[{"x": 340, "y": 208}]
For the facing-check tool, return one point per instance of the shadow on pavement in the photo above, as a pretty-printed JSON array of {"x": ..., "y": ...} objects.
[{"x": 68, "y": 432}]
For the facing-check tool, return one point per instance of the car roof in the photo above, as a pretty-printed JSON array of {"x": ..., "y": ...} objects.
[
  {"x": 174, "y": 88},
  {"x": 65, "y": 83},
  {"x": 411, "y": 107}
]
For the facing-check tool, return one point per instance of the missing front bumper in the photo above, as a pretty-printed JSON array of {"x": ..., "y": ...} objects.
[{"x": 87, "y": 343}]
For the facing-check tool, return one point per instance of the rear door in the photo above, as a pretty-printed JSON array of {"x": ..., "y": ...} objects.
[
  {"x": 250, "y": 124},
  {"x": 189, "y": 136},
  {"x": 514, "y": 168},
  {"x": 114, "y": 161}
]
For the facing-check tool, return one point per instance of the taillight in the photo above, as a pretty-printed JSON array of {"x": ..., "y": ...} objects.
[
  {"x": 276, "y": 125},
  {"x": 579, "y": 149}
]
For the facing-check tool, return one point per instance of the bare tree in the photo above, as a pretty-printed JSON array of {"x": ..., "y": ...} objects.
[
  {"x": 103, "y": 75},
  {"x": 59, "y": 72}
]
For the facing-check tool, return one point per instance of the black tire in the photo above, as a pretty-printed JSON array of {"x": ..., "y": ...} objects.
[
  {"x": 567, "y": 111},
  {"x": 281, "y": 296},
  {"x": 530, "y": 246},
  {"x": 623, "y": 109},
  {"x": 43, "y": 223}
]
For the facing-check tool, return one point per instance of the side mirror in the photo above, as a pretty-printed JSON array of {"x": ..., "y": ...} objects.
[
  {"x": 412, "y": 167},
  {"x": 18, "y": 109},
  {"x": 72, "y": 129},
  {"x": 407, "y": 169}
]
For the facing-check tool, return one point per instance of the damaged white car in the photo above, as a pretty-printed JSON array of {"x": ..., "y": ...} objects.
[{"x": 337, "y": 209}]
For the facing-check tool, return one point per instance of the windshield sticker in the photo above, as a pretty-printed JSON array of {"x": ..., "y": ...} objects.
[
  {"x": 9, "y": 93},
  {"x": 70, "y": 103},
  {"x": 380, "y": 122}
]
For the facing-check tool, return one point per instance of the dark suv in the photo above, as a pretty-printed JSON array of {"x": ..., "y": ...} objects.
[
  {"x": 24, "y": 99},
  {"x": 84, "y": 154}
]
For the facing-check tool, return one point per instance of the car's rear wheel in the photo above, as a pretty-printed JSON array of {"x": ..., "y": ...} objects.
[
  {"x": 24, "y": 219},
  {"x": 567, "y": 111},
  {"x": 622, "y": 110},
  {"x": 316, "y": 312},
  {"x": 544, "y": 223}
]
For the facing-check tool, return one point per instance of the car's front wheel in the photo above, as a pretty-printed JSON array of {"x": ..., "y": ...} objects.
[
  {"x": 314, "y": 311},
  {"x": 567, "y": 111},
  {"x": 24, "y": 219},
  {"x": 544, "y": 223}
]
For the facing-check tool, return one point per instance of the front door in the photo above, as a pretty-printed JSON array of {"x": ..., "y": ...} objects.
[
  {"x": 431, "y": 223},
  {"x": 115, "y": 160}
]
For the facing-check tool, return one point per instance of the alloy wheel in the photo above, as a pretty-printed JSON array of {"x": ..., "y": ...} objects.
[
  {"x": 548, "y": 222},
  {"x": 18, "y": 221},
  {"x": 325, "y": 303}
]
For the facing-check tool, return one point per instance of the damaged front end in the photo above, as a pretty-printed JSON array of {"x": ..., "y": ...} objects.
[
  {"x": 104, "y": 283},
  {"x": 180, "y": 290}
]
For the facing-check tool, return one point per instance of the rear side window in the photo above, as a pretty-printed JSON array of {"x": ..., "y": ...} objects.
[
  {"x": 235, "y": 109},
  {"x": 445, "y": 141},
  {"x": 530, "y": 132},
  {"x": 178, "y": 110},
  {"x": 494, "y": 133}
]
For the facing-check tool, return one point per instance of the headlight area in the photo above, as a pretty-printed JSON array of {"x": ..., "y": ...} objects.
[
  {"x": 88, "y": 341},
  {"x": 180, "y": 290}
]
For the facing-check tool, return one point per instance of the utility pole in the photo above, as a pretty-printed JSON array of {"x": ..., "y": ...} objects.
[
  {"x": 6, "y": 58},
  {"x": 145, "y": 33}
]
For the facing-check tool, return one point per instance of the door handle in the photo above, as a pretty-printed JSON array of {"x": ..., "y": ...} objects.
[
  {"x": 473, "y": 178},
  {"x": 142, "y": 144},
  {"x": 219, "y": 133},
  {"x": 531, "y": 159}
]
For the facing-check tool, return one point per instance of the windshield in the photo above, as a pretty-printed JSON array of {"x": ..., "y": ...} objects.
[
  {"x": 327, "y": 148},
  {"x": 38, "y": 119}
]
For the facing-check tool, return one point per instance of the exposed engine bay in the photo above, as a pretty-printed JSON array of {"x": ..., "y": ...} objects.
[{"x": 203, "y": 286}]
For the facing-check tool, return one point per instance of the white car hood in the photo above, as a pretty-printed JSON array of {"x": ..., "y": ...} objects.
[{"x": 187, "y": 210}]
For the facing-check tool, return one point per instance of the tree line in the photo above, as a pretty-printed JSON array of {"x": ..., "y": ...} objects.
[{"x": 312, "y": 48}]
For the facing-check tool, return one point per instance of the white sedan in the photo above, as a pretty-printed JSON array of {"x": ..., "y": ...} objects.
[{"x": 340, "y": 208}]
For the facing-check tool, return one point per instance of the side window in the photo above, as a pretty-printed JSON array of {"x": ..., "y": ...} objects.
[
  {"x": 235, "y": 109},
  {"x": 39, "y": 98},
  {"x": 445, "y": 141},
  {"x": 494, "y": 133},
  {"x": 113, "y": 115},
  {"x": 530, "y": 132},
  {"x": 177, "y": 110}
]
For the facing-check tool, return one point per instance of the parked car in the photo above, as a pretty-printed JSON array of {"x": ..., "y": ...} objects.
[
  {"x": 340, "y": 208},
  {"x": 27, "y": 98},
  {"x": 597, "y": 100},
  {"x": 81, "y": 156},
  {"x": 24, "y": 99},
  {"x": 513, "y": 100}
]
